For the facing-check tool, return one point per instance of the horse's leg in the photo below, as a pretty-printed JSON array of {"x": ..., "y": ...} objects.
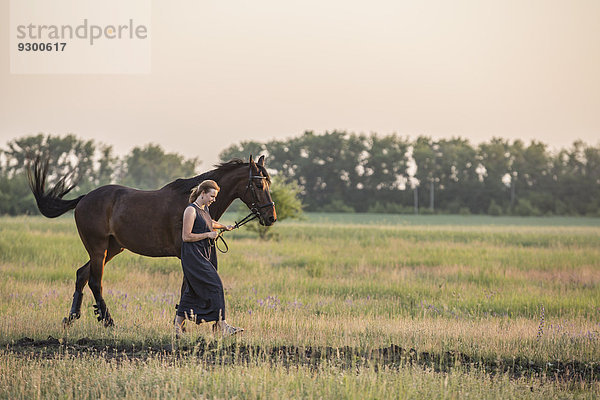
[
  {"x": 99, "y": 258},
  {"x": 83, "y": 274}
]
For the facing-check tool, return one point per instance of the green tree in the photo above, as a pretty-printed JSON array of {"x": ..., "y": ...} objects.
[
  {"x": 576, "y": 173},
  {"x": 494, "y": 162},
  {"x": 107, "y": 166},
  {"x": 530, "y": 177},
  {"x": 149, "y": 167},
  {"x": 323, "y": 165},
  {"x": 427, "y": 156},
  {"x": 15, "y": 196},
  {"x": 340, "y": 171},
  {"x": 65, "y": 154},
  {"x": 243, "y": 150},
  {"x": 458, "y": 183}
]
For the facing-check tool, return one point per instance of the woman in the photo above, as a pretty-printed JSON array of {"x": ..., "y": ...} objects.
[{"x": 202, "y": 298}]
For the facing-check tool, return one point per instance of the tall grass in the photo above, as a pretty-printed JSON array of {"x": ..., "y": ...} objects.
[
  {"x": 74, "y": 377},
  {"x": 474, "y": 289}
]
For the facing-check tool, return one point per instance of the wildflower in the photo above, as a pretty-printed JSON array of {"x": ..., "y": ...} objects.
[{"x": 541, "y": 326}]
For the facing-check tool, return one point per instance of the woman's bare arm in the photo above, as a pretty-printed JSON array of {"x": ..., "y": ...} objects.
[{"x": 189, "y": 215}]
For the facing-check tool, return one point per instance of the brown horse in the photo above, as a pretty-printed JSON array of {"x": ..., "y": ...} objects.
[{"x": 112, "y": 218}]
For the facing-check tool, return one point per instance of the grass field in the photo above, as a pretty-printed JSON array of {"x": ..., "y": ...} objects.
[{"x": 335, "y": 306}]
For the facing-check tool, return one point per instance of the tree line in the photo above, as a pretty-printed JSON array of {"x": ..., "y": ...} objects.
[
  {"x": 344, "y": 172},
  {"x": 341, "y": 171},
  {"x": 91, "y": 164}
]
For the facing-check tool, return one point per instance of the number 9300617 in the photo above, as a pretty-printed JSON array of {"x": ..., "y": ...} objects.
[{"x": 56, "y": 46}]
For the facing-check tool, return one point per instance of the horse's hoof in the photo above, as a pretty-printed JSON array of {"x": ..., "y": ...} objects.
[
  {"x": 68, "y": 321},
  {"x": 103, "y": 315},
  {"x": 108, "y": 322}
]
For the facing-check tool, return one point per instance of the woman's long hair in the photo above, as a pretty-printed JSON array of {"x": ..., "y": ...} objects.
[{"x": 203, "y": 187}]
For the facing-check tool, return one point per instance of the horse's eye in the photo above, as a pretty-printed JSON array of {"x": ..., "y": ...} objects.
[{"x": 259, "y": 185}]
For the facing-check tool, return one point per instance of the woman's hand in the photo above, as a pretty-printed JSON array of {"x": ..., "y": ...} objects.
[
  {"x": 218, "y": 225},
  {"x": 212, "y": 234}
]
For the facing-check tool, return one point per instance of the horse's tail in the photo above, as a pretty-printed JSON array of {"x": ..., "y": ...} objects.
[{"x": 50, "y": 203}]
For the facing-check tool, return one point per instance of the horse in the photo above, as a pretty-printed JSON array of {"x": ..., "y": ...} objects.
[{"x": 112, "y": 218}]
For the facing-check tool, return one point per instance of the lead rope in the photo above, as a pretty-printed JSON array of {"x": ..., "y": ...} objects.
[{"x": 250, "y": 217}]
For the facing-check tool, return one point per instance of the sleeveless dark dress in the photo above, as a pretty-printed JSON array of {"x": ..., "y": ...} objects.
[{"x": 202, "y": 298}]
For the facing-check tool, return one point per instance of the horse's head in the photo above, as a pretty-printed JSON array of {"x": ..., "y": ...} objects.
[{"x": 256, "y": 195}]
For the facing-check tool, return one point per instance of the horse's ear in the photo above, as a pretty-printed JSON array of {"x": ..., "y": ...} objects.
[
  {"x": 261, "y": 161},
  {"x": 251, "y": 160}
]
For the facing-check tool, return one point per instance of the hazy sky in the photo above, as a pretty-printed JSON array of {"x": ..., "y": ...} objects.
[{"x": 227, "y": 71}]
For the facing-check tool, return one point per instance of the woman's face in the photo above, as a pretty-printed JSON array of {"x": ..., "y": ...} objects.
[{"x": 208, "y": 197}]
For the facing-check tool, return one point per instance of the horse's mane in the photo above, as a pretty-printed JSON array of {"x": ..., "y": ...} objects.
[{"x": 185, "y": 185}]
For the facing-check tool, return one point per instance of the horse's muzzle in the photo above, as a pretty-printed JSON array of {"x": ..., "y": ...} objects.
[{"x": 268, "y": 220}]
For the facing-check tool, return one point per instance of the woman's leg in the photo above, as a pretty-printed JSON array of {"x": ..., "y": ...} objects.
[
  {"x": 224, "y": 329},
  {"x": 179, "y": 320}
]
